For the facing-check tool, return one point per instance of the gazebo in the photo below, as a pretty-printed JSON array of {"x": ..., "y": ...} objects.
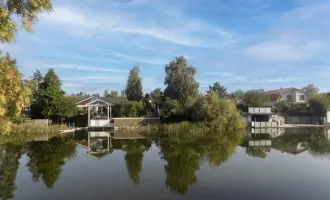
[{"x": 98, "y": 111}]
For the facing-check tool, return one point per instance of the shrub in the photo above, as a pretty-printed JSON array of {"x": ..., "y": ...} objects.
[
  {"x": 319, "y": 103},
  {"x": 128, "y": 109},
  {"x": 171, "y": 110},
  {"x": 289, "y": 107},
  {"x": 17, "y": 119}
]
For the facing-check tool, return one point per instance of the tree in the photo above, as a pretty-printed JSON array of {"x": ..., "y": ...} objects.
[
  {"x": 134, "y": 85},
  {"x": 106, "y": 93},
  {"x": 255, "y": 98},
  {"x": 310, "y": 89},
  {"x": 237, "y": 95},
  {"x": 319, "y": 103},
  {"x": 14, "y": 94},
  {"x": 219, "y": 89},
  {"x": 113, "y": 93},
  {"x": 26, "y": 10},
  {"x": 156, "y": 96},
  {"x": 180, "y": 82},
  {"x": 51, "y": 94},
  {"x": 36, "y": 108}
]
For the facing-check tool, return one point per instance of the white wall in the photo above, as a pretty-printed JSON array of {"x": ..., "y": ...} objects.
[
  {"x": 328, "y": 117},
  {"x": 99, "y": 122},
  {"x": 295, "y": 95}
]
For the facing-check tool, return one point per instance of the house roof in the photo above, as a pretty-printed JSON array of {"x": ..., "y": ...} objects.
[
  {"x": 275, "y": 94},
  {"x": 109, "y": 100}
]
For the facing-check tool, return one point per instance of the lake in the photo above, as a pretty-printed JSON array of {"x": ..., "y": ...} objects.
[{"x": 268, "y": 164}]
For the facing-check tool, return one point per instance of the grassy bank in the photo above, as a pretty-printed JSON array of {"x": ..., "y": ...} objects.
[{"x": 22, "y": 133}]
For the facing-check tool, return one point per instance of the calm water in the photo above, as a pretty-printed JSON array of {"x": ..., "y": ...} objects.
[{"x": 269, "y": 164}]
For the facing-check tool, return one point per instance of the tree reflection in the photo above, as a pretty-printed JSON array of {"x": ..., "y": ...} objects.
[
  {"x": 46, "y": 159},
  {"x": 319, "y": 146},
  {"x": 9, "y": 156},
  {"x": 257, "y": 151},
  {"x": 185, "y": 155},
  {"x": 134, "y": 155}
]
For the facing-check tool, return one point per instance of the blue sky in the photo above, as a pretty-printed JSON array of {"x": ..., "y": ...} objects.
[{"x": 243, "y": 44}]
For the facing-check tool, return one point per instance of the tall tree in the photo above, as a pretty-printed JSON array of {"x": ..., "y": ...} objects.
[
  {"x": 134, "y": 85},
  {"x": 255, "y": 98},
  {"x": 113, "y": 93},
  {"x": 218, "y": 89},
  {"x": 310, "y": 89},
  {"x": 156, "y": 96},
  {"x": 25, "y": 10},
  {"x": 51, "y": 94},
  {"x": 36, "y": 81},
  {"x": 14, "y": 94},
  {"x": 238, "y": 95},
  {"x": 180, "y": 81}
]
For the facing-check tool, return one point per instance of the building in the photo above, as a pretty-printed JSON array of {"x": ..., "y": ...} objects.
[{"x": 287, "y": 94}]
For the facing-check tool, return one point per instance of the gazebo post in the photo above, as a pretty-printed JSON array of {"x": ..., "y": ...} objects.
[
  {"x": 108, "y": 111},
  {"x": 89, "y": 115}
]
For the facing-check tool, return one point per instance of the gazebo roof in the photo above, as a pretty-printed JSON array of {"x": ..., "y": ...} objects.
[{"x": 93, "y": 101}]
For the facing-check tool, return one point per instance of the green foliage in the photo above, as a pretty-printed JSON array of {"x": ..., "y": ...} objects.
[
  {"x": 128, "y": 109},
  {"x": 50, "y": 94},
  {"x": 310, "y": 90},
  {"x": 156, "y": 96},
  {"x": 257, "y": 152},
  {"x": 46, "y": 159},
  {"x": 289, "y": 107},
  {"x": 17, "y": 119},
  {"x": 171, "y": 110},
  {"x": 25, "y": 10},
  {"x": 237, "y": 95},
  {"x": 9, "y": 156},
  {"x": 14, "y": 94},
  {"x": 134, "y": 85},
  {"x": 218, "y": 89},
  {"x": 68, "y": 106},
  {"x": 319, "y": 103},
  {"x": 319, "y": 146},
  {"x": 113, "y": 93},
  {"x": 255, "y": 98},
  {"x": 180, "y": 82}
]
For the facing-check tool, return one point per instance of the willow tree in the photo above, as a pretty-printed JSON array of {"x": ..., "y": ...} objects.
[
  {"x": 134, "y": 85},
  {"x": 25, "y": 10},
  {"x": 14, "y": 94},
  {"x": 180, "y": 81}
]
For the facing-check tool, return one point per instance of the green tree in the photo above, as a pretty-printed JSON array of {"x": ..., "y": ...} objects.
[
  {"x": 237, "y": 95},
  {"x": 255, "y": 98},
  {"x": 319, "y": 103},
  {"x": 9, "y": 156},
  {"x": 134, "y": 85},
  {"x": 219, "y": 89},
  {"x": 25, "y": 10},
  {"x": 180, "y": 82},
  {"x": 14, "y": 94},
  {"x": 156, "y": 96},
  {"x": 51, "y": 94},
  {"x": 310, "y": 90},
  {"x": 36, "y": 81},
  {"x": 113, "y": 93},
  {"x": 46, "y": 159}
]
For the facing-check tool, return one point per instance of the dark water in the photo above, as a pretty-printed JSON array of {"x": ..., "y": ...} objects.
[{"x": 268, "y": 164}]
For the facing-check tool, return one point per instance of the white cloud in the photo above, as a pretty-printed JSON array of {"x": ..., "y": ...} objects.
[
  {"x": 68, "y": 16},
  {"x": 278, "y": 51},
  {"x": 172, "y": 27},
  {"x": 87, "y": 68},
  {"x": 157, "y": 61}
]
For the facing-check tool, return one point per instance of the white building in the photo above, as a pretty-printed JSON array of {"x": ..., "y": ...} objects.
[{"x": 287, "y": 94}]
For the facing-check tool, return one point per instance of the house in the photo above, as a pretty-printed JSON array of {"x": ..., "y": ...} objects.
[{"x": 287, "y": 94}]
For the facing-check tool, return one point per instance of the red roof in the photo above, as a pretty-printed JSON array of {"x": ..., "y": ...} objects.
[
  {"x": 282, "y": 90},
  {"x": 85, "y": 102}
]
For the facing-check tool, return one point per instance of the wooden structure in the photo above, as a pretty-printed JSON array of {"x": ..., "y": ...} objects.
[{"x": 98, "y": 111}]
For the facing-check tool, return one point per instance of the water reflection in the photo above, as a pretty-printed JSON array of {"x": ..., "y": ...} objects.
[
  {"x": 183, "y": 157},
  {"x": 46, "y": 158},
  {"x": 9, "y": 156},
  {"x": 259, "y": 142}
]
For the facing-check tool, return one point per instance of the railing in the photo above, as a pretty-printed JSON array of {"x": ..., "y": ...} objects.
[{"x": 259, "y": 110}]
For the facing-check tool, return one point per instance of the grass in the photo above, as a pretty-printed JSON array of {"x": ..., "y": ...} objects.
[{"x": 22, "y": 133}]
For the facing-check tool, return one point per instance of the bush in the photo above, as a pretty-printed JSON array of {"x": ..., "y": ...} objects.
[
  {"x": 319, "y": 103},
  {"x": 17, "y": 119},
  {"x": 289, "y": 107},
  {"x": 171, "y": 110},
  {"x": 128, "y": 109}
]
